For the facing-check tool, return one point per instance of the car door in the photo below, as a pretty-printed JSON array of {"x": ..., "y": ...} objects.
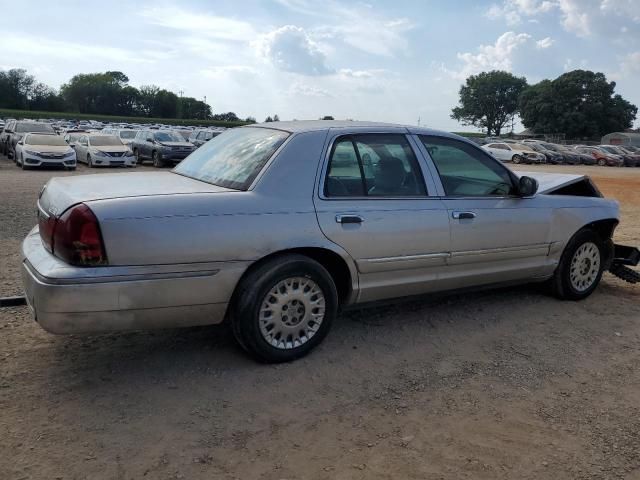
[
  {"x": 496, "y": 235},
  {"x": 375, "y": 202}
]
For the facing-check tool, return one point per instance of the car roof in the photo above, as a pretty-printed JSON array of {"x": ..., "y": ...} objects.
[{"x": 300, "y": 126}]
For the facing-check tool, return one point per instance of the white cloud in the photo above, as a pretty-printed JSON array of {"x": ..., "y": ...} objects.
[
  {"x": 305, "y": 90},
  {"x": 290, "y": 48},
  {"x": 498, "y": 56},
  {"x": 581, "y": 17},
  {"x": 544, "y": 43},
  {"x": 357, "y": 25},
  {"x": 212, "y": 26}
]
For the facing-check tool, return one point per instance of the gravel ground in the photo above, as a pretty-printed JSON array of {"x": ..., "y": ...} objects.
[{"x": 502, "y": 384}]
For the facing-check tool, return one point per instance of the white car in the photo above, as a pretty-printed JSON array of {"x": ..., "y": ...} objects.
[
  {"x": 104, "y": 150},
  {"x": 44, "y": 150},
  {"x": 514, "y": 152}
]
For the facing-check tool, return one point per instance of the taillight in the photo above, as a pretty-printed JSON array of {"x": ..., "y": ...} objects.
[{"x": 77, "y": 239}]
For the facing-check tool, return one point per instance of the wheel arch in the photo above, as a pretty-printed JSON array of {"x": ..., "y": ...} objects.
[{"x": 339, "y": 265}]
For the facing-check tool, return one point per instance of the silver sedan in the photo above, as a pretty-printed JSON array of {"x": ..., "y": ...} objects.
[{"x": 275, "y": 227}]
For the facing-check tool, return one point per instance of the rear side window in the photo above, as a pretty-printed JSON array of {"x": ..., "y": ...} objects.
[
  {"x": 373, "y": 165},
  {"x": 466, "y": 170}
]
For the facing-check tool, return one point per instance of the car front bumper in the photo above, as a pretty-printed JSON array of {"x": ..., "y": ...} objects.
[
  {"x": 66, "y": 299},
  {"x": 107, "y": 161},
  {"x": 34, "y": 161}
]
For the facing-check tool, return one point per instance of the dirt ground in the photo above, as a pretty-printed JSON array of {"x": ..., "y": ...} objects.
[{"x": 503, "y": 384}]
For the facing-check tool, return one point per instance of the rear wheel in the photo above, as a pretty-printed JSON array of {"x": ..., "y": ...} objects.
[
  {"x": 284, "y": 308},
  {"x": 516, "y": 159},
  {"x": 601, "y": 162},
  {"x": 580, "y": 268}
]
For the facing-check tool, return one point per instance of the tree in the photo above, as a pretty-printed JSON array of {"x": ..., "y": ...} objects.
[
  {"x": 489, "y": 100},
  {"x": 327, "y": 117},
  {"x": 580, "y": 104},
  {"x": 226, "y": 117},
  {"x": 276, "y": 118},
  {"x": 268, "y": 119},
  {"x": 250, "y": 120}
]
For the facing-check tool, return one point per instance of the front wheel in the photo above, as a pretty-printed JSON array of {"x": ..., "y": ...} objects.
[
  {"x": 136, "y": 153},
  {"x": 601, "y": 162},
  {"x": 157, "y": 161},
  {"x": 284, "y": 308},
  {"x": 516, "y": 159},
  {"x": 89, "y": 161},
  {"x": 580, "y": 268}
]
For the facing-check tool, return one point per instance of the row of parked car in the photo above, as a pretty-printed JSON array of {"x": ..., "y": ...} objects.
[
  {"x": 35, "y": 144},
  {"x": 538, "y": 151}
]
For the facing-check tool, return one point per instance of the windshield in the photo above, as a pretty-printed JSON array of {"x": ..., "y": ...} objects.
[
  {"x": 128, "y": 134},
  {"x": 105, "y": 141},
  {"x": 608, "y": 149},
  {"x": 234, "y": 158},
  {"x": 50, "y": 140},
  {"x": 33, "y": 127},
  {"x": 168, "y": 137}
]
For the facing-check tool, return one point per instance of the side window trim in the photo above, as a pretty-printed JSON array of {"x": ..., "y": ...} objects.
[{"x": 430, "y": 182}]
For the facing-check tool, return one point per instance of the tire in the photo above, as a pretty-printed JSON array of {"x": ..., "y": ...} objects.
[
  {"x": 157, "y": 162},
  {"x": 89, "y": 161},
  {"x": 580, "y": 268},
  {"x": 22, "y": 164},
  {"x": 516, "y": 159},
  {"x": 601, "y": 162},
  {"x": 271, "y": 311},
  {"x": 137, "y": 155}
]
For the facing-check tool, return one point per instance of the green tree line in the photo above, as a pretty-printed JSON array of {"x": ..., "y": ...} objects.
[
  {"x": 107, "y": 93},
  {"x": 578, "y": 104}
]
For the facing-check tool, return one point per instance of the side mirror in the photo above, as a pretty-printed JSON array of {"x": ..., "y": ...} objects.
[
  {"x": 527, "y": 186},
  {"x": 149, "y": 139},
  {"x": 20, "y": 142}
]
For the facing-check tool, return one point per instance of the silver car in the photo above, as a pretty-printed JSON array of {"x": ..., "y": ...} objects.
[{"x": 275, "y": 227}]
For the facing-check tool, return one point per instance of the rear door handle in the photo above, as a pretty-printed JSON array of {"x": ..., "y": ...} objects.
[
  {"x": 463, "y": 215},
  {"x": 349, "y": 219}
]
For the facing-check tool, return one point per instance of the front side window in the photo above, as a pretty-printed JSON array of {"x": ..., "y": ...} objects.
[
  {"x": 373, "y": 165},
  {"x": 466, "y": 170},
  {"x": 233, "y": 159},
  {"x": 167, "y": 136}
]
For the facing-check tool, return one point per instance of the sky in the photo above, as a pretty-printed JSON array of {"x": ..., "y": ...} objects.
[{"x": 395, "y": 61}]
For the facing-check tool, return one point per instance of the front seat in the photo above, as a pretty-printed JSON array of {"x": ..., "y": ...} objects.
[{"x": 390, "y": 175}]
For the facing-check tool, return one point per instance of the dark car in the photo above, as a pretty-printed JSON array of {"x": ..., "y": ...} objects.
[
  {"x": 552, "y": 157},
  {"x": 201, "y": 137},
  {"x": 161, "y": 146},
  {"x": 4, "y": 136},
  {"x": 601, "y": 158},
  {"x": 568, "y": 156},
  {"x": 18, "y": 129}
]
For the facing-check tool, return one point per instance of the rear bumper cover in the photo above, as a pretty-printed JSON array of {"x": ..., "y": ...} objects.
[{"x": 67, "y": 299}]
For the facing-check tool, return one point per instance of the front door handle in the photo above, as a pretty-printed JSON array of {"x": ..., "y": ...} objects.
[
  {"x": 349, "y": 219},
  {"x": 463, "y": 215}
]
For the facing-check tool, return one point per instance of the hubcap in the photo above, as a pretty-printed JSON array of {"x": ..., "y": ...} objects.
[
  {"x": 291, "y": 313},
  {"x": 585, "y": 266}
]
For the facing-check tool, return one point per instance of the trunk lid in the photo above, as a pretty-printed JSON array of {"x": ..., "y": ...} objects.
[{"x": 62, "y": 192}]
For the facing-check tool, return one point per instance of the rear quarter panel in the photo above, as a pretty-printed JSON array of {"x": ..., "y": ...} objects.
[{"x": 276, "y": 214}]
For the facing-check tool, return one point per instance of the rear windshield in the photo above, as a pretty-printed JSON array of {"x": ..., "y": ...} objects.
[
  {"x": 234, "y": 158},
  {"x": 168, "y": 137},
  {"x": 105, "y": 141},
  {"x": 22, "y": 127},
  {"x": 128, "y": 134},
  {"x": 50, "y": 140}
]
